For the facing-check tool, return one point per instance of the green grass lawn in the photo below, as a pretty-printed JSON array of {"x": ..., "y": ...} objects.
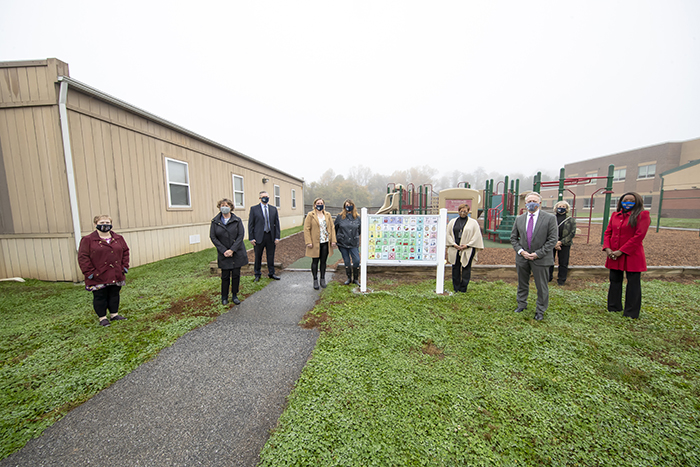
[
  {"x": 402, "y": 376},
  {"x": 407, "y": 377},
  {"x": 55, "y": 356}
]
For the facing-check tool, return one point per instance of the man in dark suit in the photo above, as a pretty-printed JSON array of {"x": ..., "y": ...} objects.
[
  {"x": 264, "y": 234},
  {"x": 533, "y": 238}
]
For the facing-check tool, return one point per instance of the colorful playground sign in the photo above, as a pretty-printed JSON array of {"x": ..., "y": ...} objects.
[{"x": 403, "y": 238}]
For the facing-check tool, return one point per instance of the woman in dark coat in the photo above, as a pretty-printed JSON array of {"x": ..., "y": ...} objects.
[
  {"x": 622, "y": 242},
  {"x": 567, "y": 232},
  {"x": 347, "y": 235},
  {"x": 227, "y": 233},
  {"x": 103, "y": 257}
]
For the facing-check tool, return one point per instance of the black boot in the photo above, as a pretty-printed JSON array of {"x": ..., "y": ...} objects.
[
  {"x": 356, "y": 276},
  {"x": 323, "y": 282},
  {"x": 348, "y": 272},
  {"x": 315, "y": 283}
]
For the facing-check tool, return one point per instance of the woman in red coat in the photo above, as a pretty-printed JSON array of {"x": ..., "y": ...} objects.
[
  {"x": 623, "y": 244},
  {"x": 104, "y": 259}
]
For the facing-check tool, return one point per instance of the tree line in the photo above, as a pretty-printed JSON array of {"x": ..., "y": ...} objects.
[{"x": 366, "y": 188}]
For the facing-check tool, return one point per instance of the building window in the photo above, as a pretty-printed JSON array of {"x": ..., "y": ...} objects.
[
  {"x": 613, "y": 202},
  {"x": 277, "y": 196},
  {"x": 238, "y": 192},
  {"x": 588, "y": 204},
  {"x": 647, "y": 171},
  {"x": 294, "y": 198},
  {"x": 177, "y": 174},
  {"x": 647, "y": 201},
  {"x": 592, "y": 174},
  {"x": 619, "y": 175}
]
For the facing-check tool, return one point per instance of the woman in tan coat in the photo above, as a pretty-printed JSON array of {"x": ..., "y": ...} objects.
[{"x": 318, "y": 233}]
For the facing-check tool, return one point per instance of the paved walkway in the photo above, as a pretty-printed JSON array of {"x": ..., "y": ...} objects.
[{"x": 210, "y": 399}]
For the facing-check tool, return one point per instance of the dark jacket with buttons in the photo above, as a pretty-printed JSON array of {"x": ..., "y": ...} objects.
[
  {"x": 104, "y": 261},
  {"x": 229, "y": 236}
]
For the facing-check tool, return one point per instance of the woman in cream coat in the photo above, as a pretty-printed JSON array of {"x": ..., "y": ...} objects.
[
  {"x": 319, "y": 236},
  {"x": 462, "y": 254}
]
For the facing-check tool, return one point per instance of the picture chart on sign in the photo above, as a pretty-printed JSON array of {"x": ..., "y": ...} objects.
[{"x": 403, "y": 238}]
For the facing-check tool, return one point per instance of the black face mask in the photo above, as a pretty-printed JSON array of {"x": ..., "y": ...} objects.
[
  {"x": 349, "y": 208},
  {"x": 265, "y": 199},
  {"x": 104, "y": 227},
  {"x": 561, "y": 210},
  {"x": 319, "y": 207}
]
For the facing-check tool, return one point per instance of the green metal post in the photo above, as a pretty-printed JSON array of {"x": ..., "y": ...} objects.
[
  {"x": 561, "y": 185},
  {"x": 606, "y": 208},
  {"x": 516, "y": 199},
  {"x": 536, "y": 182},
  {"x": 420, "y": 203},
  {"x": 400, "y": 198},
  {"x": 661, "y": 200}
]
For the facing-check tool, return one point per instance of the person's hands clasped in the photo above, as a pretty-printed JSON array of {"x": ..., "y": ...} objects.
[
  {"x": 529, "y": 256},
  {"x": 228, "y": 253},
  {"x": 613, "y": 254}
]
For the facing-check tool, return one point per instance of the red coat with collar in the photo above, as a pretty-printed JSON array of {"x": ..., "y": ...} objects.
[
  {"x": 105, "y": 261},
  {"x": 621, "y": 236}
]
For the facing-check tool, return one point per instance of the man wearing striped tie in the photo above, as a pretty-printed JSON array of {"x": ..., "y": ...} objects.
[
  {"x": 533, "y": 238},
  {"x": 264, "y": 234}
]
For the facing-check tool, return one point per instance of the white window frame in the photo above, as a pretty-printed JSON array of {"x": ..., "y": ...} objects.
[
  {"x": 613, "y": 202},
  {"x": 169, "y": 182},
  {"x": 646, "y": 175},
  {"x": 294, "y": 198},
  {"x": 644, "y": 201},
  {"x": 235, "y": 192},
  {"x": 592, "y": 174},
  {"x": 588, "y": 203},
  {"x": 276, "y": 194},
  {"x": 619, "y": 175}
]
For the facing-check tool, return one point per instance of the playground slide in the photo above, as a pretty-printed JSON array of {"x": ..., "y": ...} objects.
[{"x": 391, "y": 203}]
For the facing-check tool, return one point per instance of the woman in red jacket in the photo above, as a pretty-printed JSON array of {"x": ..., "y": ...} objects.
[
  {"x": 104, "y": 259},
  {"x": 623, "y": 245}
]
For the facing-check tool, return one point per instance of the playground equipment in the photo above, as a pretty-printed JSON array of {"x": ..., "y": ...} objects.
[
  {"x": 452, "y": 198},
  {"x": 501, "y": 209},
  {"x": 565, "y": 182},
  {"x": 400, "y": 200}
]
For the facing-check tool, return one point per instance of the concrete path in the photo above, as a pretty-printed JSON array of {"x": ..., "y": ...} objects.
[{"x": 210, "y": 399}]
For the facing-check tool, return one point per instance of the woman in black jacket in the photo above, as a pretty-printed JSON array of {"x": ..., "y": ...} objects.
[
  {"x": 347, "y": 234},
  {"x": 227, "y": 233}
]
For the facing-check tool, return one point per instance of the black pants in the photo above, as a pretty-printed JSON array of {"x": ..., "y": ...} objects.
[
  {"x": 267, "y": 244},
  {"x": 633, "y": 294},
  {"x": 462, "y": 275},
  {"x": 232, "y": 276},
  {"x": 322, "y": 258},
  {"x": 106, "y": 299},
  {"x": 563, "y": 264}
]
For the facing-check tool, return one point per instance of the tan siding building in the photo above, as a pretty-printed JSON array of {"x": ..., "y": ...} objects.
[{"x": 69, "y": 152}]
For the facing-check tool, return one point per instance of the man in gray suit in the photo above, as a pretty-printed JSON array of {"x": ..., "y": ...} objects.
[{"x": 533, "y": 238}]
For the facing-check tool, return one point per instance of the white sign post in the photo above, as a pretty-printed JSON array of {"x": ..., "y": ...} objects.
[{"x": 403, "y": 240}]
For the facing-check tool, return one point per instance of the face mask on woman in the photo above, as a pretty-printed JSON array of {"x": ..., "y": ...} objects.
[
  {"x": 319, "y": 207},
  {"x": 104, "y": 227},
  {"x": 561, "y": 210},
  {"x": 349, "y": 208},
  {"x": 627, "y": 205},
  {"x": 225, "y": 209}
]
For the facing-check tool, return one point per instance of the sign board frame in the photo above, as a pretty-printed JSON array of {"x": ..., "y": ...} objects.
[{"x": 405, "y": 220}]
